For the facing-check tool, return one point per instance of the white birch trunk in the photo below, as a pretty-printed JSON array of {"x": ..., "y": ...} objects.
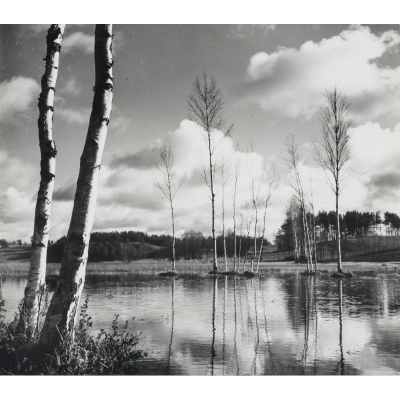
[
  {"x": 62, "y": 311},
  {"x": 41, "y": 230}
]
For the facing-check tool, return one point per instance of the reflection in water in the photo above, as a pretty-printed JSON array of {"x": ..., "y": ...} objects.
[
  {"x": 172, "y": 325},
  {"x": 316, "y": 327},
  {"x": 223, "y": 326},
  {"x": 235, "y": 352},
  {"x": 306, "y": 326},
  {"x": 215, "y": 292},
  {"x": 341, "y": 363},
  {"x": 280, "y": 323},
  {"x": 257, "y": 330}
]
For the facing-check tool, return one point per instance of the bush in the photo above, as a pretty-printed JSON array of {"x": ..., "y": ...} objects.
[{"x": 107, "y": 353}]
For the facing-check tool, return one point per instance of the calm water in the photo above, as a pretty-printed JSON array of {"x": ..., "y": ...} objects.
[{"x": 280, "y": 323}]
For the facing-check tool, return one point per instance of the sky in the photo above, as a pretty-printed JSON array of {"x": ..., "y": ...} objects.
[{"x": 272, "y": 79}]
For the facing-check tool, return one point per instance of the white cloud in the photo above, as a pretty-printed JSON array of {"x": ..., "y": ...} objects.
[
  {"x": 291, "y": 81},
  {"x": 80, "y": 41},
  {"x": 72, "y": 115},
  {"x": 17, "y": 94}
]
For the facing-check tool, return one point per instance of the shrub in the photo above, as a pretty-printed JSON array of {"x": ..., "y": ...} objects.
[{"x": 84, "y": 353}]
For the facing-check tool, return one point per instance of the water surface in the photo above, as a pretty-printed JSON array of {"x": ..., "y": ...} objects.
[{"x": 279, "y": 323}]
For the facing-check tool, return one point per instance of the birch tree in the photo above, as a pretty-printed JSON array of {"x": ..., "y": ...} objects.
[
  {"x": 37, "y": 269},
  {"x": 224, "y": 179},
  {"x": 292, "y": 160},
  {"x": 272, "y": 182},
  {"x": 169, "y": 186},
  {"x": 205, "y": 106},
  {"x": 256, "y": 182},
  {"x": 332, "y": 150},
  {"x": 237, "y": 166},
  {"x": 62, "y": 311}
]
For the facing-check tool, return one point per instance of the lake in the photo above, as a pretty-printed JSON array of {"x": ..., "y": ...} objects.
[{"x": 278, "y": 323}]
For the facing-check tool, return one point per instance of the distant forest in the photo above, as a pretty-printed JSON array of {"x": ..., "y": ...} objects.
[
  {"x": 353, "y": 224},
  {"x": 134, "y": 245}
]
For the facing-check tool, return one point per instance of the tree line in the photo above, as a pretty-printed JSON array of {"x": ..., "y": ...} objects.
[
  {"x": 134, "y": 245},
  {"x": 353, "y": 224}
]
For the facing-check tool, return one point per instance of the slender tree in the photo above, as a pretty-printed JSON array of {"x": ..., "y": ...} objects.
[
  {"x": 332, "y": 150},
  {"x": 272, "y": 182},
  {"x": 224, "y": 180},
  {"x": 292, "y": 160},
  {"x": 37, "y": 269},
  {"x": 255, "y": 185},
  {"x": 205, "y": 106},
  {"x": 169, "y": 186},
  {"x": 237, "y": 166},
  {"x": 62, "y": 311}
]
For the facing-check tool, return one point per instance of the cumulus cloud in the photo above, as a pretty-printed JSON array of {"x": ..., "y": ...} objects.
[
  {"x": 291, "y": 81},
  {"x": 376, "y": 151},
  {"x": 80, "y": 41},
  {"x": 84, "y": 42},
  {"x": 17, "y": 94},
  {"x": 66, "y": 193},
  {"x": 74, "y": 116}
]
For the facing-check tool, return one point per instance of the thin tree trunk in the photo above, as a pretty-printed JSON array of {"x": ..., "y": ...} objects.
[
  {"x": 173, "y": 238},
  {"x": 234, "y": 227},
  {"x": 215, "y": 259},
  {"x": 339, "y": 263},
  {"x": 223, "y": 220},
  {"x": 305, "y": 237},
  {"x": 62, "y": 311},
  {"x": 41, "y": 230}
]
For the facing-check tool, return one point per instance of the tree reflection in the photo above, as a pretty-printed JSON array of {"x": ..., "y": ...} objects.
[
  {"x": 341, "y": 363},
  {"x": 235, "y": 352},
  {"x": 306, "y": 325},
  {"x": 257, "y": 331},
  {"x": 223, "y": 327},
  {"x": 213, "y": 354},
  {"x": 172, "y": 326}
]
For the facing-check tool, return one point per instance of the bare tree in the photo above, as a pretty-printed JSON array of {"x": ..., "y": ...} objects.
[
  {"x": 292, "y": 160},
  {"x": 272, "y": 182},
  {"x": 332, "y": 150},
  {"x": 62, "y": 311},
  {"x": 169, "y": 186},
  {"x": 224, "y": 179},
  {"x": 37, "y": 269},
  {"x": 205, "y": 106},
  {"x": 313, "y": 225},
  {"x": 255, "y": 184},
  {"x": 237, "y": 166}
]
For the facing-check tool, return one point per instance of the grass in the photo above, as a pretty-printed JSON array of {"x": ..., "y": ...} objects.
[
  {"x": 151, "y": 267},
  {"x": 113, "y": 352}
]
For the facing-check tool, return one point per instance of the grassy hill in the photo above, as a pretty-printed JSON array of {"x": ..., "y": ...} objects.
[
  {"x": 15, "y": 254},
  {"x": 370, "y": 248}
]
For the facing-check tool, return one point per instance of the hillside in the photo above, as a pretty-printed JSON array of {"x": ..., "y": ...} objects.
[{"x": 15, "y": 254}]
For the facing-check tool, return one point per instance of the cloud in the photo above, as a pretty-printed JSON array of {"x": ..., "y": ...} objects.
[
  {"x": 17, "y": 94},
  {"x": 143, "y": 159},
  {"x": 79, "y": 41},
  {"x": 291, "y": 81},
  {"x": 66, "y": 193},
  {"x": 375, "y": 149},
  {"x": 70, "y": 86},
  {"x": 83, "y": 42},
  {"x": 74, "y": 116}
]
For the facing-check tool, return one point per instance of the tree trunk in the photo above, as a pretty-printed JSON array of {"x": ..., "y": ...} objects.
[
  {"x": 173, "y": 238},
  {"x": 305, "y": 237},
  {"x": 215, "y": 259},
  {"x": 62, "y": 311},
  {"x": 223, "y": 223},
  {"x": 41, "y": 230},
  {"x": 339, "y": 253}
]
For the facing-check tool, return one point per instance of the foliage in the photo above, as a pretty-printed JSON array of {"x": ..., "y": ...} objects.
[{"x": 107, "y": 353}]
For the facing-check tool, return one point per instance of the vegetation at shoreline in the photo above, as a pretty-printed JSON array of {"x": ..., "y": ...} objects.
[{"x": 110, "y": 352}]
